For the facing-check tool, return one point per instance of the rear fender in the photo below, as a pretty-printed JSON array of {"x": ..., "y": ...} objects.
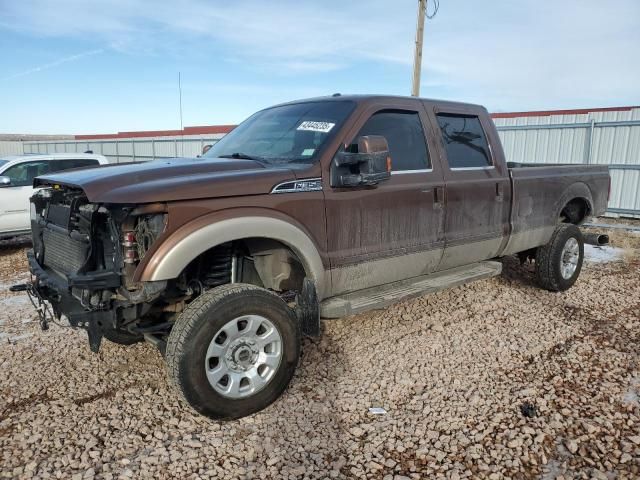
[{"x": 576, "y": 190}]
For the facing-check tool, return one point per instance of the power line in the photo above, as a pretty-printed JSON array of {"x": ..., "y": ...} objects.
[{"x": 436, "y": 7}]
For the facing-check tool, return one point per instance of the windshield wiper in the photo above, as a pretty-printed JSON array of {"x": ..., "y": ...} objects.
[{"x": 242, "y": 156}]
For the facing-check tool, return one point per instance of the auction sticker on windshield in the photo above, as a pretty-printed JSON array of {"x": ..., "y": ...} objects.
[{"x": 324, "y": 127}]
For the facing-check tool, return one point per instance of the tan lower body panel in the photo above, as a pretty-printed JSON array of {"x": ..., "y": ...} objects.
[
  {"x": 385, "y": 295},
  {"x": 519, "y": 242},
  {"x": 363, "y": 275}
]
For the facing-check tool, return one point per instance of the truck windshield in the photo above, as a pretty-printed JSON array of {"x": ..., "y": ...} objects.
[{"x": 288, "y": 133}]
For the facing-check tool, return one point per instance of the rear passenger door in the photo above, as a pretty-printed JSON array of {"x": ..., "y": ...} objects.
[
  {"x": 477, "y": 188},
  {"x": 395, "y": 230}
]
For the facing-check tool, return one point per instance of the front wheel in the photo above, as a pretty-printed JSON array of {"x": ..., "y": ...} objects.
[
  {"x": 558, "y": 263},
  {"x": 233, "y": 351}
]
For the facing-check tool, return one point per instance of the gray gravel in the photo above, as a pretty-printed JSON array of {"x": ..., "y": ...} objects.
[{"x": 497, "y": 379}]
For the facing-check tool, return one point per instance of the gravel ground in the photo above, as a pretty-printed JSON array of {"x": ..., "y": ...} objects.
[{"x": 496, "y": 379}]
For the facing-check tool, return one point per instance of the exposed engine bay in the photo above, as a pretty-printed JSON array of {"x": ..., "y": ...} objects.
[{"x": 85, "y": 257}]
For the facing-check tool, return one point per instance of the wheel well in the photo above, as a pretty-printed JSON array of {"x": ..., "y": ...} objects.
[
  {"x": 575, "y": 211},
  {"x": 258, "y": 261}
]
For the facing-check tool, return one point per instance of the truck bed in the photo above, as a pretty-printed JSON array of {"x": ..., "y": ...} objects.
[{"x": 540, "y": 191}]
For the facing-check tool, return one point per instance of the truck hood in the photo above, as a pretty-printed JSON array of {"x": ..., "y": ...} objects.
[{"x": 171, "y": 180}]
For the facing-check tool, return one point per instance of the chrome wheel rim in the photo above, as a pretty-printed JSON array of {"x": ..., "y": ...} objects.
[
  {"x": 569, "y": 258},
  {"x": 243, "y": 356}
]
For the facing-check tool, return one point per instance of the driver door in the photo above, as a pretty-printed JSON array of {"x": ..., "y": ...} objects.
[{"x": 394, "y": 230}]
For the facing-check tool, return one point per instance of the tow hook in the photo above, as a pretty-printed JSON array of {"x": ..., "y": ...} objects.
[
  {"x": 21, "y": 287},
  {"x": 37, "y": 302}
]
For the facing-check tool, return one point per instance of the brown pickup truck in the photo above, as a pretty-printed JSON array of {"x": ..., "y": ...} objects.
[{"x": 315, "y": 208}]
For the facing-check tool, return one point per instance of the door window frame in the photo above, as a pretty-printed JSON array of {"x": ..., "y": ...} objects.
[
  {"x": 363, "y": 118},
  {"x": 469, "y": 113},
  {"x": 9, "y": 168}
]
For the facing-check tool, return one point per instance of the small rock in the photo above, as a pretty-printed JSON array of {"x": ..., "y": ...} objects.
[
  {"x": 571, "y": 445},
  {"x": 272, "y": 461},
  {"x": 635, "y": 439},
  {"x": 515, "y": 443}
]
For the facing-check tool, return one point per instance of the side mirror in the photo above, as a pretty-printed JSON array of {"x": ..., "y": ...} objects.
[
  {"x": 5, "y": 181},
  {"x": 370, "y": 165}
]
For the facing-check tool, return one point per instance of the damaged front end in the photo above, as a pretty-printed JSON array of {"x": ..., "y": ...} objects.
[{"x": 83, "y": 260}]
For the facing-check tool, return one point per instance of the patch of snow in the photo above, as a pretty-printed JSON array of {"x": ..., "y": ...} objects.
[
  {"x": 602, "y": 254},
  {"x": 551, "y": 470},
  {"x": 18, "y": 279},
  {"x": 631, "y": 395},
  {"x": 15, "y": 338},
  {"x": 15, "y": 300}
]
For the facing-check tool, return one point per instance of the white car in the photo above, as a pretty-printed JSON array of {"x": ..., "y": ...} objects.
[{"x": 16, "y": 184}]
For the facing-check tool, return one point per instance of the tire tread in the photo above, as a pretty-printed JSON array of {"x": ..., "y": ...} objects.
[
  {"x": 546, "y": 274},
  {"x": 187, "y": 321}
]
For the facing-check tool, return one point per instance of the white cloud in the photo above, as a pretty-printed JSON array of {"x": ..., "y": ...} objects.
[
  {"x": 526, "y": 54},
  {"x": 56, "y": 63}
]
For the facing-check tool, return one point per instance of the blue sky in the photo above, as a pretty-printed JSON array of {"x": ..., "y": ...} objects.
[{"x": 74, "y": 66}]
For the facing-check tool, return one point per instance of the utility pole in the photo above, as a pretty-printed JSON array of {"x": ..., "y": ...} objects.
[
  {"x": 417, "y": 59},
  {"x": 181, "y": 126}
]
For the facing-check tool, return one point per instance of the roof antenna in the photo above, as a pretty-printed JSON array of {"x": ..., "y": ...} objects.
[{"x": 336, "y": 94}]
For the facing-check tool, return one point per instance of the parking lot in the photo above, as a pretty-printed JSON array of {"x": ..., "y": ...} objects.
[{"x": 496, "y": 379}]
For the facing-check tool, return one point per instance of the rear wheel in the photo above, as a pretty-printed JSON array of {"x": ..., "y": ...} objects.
[
  {"x": 558, "y": 263},
  {"x": 233, "y": 351}
]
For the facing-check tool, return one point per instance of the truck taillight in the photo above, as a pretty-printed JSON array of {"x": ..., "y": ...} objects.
[{"x": 130, "y": 244}]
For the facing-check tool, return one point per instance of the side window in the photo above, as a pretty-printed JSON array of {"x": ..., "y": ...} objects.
[
  {"x": 405, "y": 136},
  {"x": 59, "y": 165},
  {"x": 464, "y": 141},
  {"x": 22, "y": 175}
]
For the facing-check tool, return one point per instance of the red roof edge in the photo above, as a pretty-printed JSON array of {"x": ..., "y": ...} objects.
[
  {"x": 218, "y": 129},
  {"x": 543, "y": 113},
  {"x": 196, "y": 130}
]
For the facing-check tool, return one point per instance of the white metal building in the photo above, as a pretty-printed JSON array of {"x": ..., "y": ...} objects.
[
  {"x": 606, "y": 136},
  {"x": 609, "y": 136}
]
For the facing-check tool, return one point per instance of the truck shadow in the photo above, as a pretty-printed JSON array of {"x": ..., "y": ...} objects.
[
  {"x": 11, "y": 245},
  {"x": 513, "y": 271}
]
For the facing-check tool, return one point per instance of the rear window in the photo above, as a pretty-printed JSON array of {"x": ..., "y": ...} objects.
[
  {"x": 464, "y": 141},
  {"x": 59, "y": 165}
]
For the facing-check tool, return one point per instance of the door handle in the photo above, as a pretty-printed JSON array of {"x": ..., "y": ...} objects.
[{"x": 438, "y": 195}]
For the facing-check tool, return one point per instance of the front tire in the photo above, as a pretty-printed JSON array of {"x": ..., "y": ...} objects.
[
  {"x": 558, "y": 263},
  {"x": 233, "y": 351}
]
